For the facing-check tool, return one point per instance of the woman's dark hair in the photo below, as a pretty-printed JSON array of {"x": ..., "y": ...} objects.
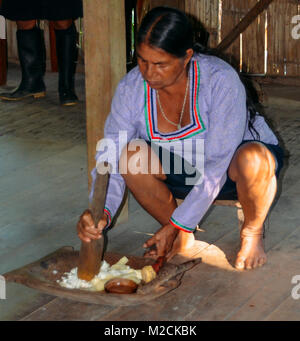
[{"x": 170, "y": 30}]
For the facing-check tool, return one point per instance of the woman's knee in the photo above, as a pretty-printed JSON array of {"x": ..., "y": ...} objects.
[
  {"x": 26, "y": 24},
  {"x": 138, "y": 158},
  {"x": 133, "y": 158},
  {"x": 62, "y": 24},
  {"x": 252, "y": 160}
]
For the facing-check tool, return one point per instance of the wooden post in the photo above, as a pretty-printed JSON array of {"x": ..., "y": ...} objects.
[
  {"x": 243, "y": 24},
  {"x": 105, "y": 65}
]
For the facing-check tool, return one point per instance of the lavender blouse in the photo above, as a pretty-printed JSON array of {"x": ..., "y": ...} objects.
[{"x": 218, "y": 116}]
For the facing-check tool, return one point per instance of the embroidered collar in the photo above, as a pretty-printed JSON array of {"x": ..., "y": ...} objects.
[{"x": 195, "y": 127}]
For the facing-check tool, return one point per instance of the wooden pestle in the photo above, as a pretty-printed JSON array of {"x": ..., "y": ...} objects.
[{"x": 91, "y": 253}]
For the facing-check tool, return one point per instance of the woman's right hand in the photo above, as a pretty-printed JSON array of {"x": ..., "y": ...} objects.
[{"x": 86, "y": 229}]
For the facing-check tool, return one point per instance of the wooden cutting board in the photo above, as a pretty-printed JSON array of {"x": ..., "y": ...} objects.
[{"x": 44, "y": 273}]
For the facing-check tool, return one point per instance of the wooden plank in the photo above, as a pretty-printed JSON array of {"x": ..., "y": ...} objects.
[
  {"x": 276, "y": 288},
  {"x": 292, "y": 45},
  {"x": 244, "y": 23},
  {"x": 271, "y": 17},
  {"x": 249, "y": 289},
  {"x": 66, "y": 310},
  {"x": 231, "y": 15},
  {"x": 214, "y": 14},
  {"x": 21, "y": 301},
  {"x": 206, "y": 13},
  {"x": 283, "y": 50},
  {"x": 253, "y": 43},
  {"x": 38, "y": 174},
  {"x": 288, "y": 310},
  {"x": 180, "y": 4},
  {"x": 25, "y": 230},
  {"x": 280, "y": 53}
]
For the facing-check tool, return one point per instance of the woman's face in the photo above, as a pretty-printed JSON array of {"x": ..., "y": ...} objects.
[{"x": 159, "y": 68}]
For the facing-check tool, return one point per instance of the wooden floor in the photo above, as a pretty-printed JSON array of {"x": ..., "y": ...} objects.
[{"x": 43, "y": 190}]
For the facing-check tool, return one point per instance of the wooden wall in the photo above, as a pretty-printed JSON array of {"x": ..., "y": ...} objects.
[
  {"x": 271, "y": 31},
  {"x": 247, "y": 50},
  {"x": 207, "y": 12},
  {"x": 283, "y": 50},
  {"x": 219, "y": 17},
  {"x": 172, "y": 3}
]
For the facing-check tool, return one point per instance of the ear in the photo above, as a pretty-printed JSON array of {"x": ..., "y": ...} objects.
[{"x": 188, "y": 56}]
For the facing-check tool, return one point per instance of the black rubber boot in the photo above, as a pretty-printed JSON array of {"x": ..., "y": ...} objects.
[
  {"x": 67, "y": 54},
  {"x": 32, "y": 55}
]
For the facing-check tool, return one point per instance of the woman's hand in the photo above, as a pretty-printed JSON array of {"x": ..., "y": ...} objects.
[
  {"x": 86, "y": 229},
  {"x": 163, "y": 240}
]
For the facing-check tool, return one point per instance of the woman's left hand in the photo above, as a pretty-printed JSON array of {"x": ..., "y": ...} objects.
[{"x": 163, "y": 241}]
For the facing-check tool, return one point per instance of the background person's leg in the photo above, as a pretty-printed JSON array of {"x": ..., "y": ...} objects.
[
  {"x": 32, "y": 56},
  {"x": 67, "y": 55},
  {"x": 26, "y": 24},
  {"x": 62, "y": 24}
]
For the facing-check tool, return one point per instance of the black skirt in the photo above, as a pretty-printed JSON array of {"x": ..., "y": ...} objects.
[{"x": 41, "y": 9}]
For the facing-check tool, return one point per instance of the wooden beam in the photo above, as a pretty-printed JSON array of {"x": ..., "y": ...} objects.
[
  {"x": 105, "y": 65},
  {"x": 243, "y": 24}
]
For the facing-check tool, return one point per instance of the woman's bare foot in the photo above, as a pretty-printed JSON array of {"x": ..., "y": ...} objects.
[{"x": 251, "y": 254}]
